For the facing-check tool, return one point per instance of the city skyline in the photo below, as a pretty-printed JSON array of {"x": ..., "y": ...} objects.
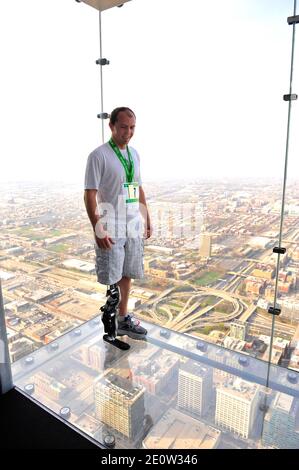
[
  {"x": 231, "y": 279},
  {"x": 209, "y": 303}
]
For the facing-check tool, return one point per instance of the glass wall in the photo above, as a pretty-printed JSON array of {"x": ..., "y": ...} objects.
[
  {"x": 287, "y": 282},
  {"x": 46, "y": 245},
  {"x": 211, "y": 128},
  {"x": 207, "y": 84}
]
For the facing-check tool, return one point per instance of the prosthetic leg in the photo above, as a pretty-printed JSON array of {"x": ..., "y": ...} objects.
[{"x": 109, "y": 317}]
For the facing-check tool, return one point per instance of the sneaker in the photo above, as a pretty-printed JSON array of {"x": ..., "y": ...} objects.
[{"x": 131, "y": 328}]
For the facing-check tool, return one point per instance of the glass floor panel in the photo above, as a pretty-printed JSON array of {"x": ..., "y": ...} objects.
[{"x": 172, "y": 391}]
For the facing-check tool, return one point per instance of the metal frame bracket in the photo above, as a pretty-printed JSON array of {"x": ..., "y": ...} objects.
[
  {"x": 293, "y": 19},
  {"x": 292, "y": 97},
  {"x": 279, "y": 250},
  {"x": 103, "y": 116},
  {"x": 274, "y": 311},
  {"x": 102, "y": 62}
]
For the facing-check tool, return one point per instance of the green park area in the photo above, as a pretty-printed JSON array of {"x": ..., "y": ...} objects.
[
  {"x": 162, "y": 313},
  {"x": 29, "y": 233},
  {"x": 55, "y": 233},
  {"x": 176, "y": 306},
  {"x": 33, "y": 234},
  {"x": 207, "y": 278},
  {"x": 59, "y": 248},
  {"x": 206, "y": 330},
  {"x": 209, "y": 300},
  {"x": 225, "y": 307}
]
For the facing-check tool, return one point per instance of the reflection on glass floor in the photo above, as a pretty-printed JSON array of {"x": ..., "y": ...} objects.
[{"x": 171, "y": 391}]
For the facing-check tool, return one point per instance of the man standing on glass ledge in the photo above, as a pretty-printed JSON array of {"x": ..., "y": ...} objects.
[{"x": 116, "y": 206}]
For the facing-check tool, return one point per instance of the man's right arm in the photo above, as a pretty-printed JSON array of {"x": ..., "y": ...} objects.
[
  {"x": 90, "y": 199},
  {"x": 101, "y": 236}
]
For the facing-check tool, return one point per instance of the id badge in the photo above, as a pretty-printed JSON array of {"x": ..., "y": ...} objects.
[{"x": 131, "y": 192}]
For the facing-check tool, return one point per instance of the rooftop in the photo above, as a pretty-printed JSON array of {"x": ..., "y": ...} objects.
[{"x": 176, "y": 430}]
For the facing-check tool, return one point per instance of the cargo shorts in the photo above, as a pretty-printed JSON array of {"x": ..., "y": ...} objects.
[{"x": 125, "y": 258}]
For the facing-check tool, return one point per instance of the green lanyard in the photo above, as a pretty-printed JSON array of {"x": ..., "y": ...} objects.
[{"x": 128, "y": 165}]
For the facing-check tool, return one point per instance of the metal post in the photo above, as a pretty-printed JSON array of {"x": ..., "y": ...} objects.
[
  {"x": 6, "y": 383},
  {"x": 102, "y": 92},
  {"x": 290, "y": 97}
]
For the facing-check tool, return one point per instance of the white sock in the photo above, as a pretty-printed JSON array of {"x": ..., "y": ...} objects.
[{"x": 122, "y": 317}]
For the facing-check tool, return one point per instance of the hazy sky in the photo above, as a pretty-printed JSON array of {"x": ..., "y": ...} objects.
[{"x": 206, "y": 80}]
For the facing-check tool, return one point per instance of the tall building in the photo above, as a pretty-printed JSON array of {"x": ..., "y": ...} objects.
[
  {"x": 92, "y": 356},
  {"x": 236, "y": 406},
  {"x": 238, "y": 330},
  {"x": 47, "y": 386},
  {"x": 280, "y": 430},
  {"x": 119, "y": 404},
  {"x": 205, "y": 245},
  {"x": 195, "y": 387},
  {"x": 156, "y": 373},
  {"x": 20, "y": 348},
  {"x": 95, "y": 355}
]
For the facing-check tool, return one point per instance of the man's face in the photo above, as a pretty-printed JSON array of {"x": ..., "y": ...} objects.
[{"x": 123, "y": 129}]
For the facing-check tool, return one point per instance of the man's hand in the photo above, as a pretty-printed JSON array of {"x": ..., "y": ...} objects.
[
  {"x": 102, "y": 238},
  {"x": 148, "y": 230}
]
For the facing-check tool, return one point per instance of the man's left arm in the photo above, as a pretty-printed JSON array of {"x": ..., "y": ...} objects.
[{"x": 145, "y": 213}]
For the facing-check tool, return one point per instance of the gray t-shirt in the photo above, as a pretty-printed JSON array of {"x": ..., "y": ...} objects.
[{"x": 105, "y": 173}]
